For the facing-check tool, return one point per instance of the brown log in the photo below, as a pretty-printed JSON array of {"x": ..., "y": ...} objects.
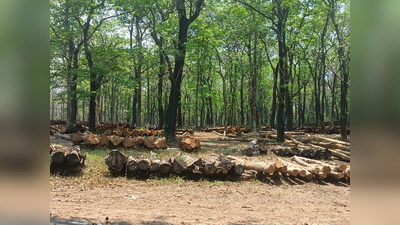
[
  {"x": 52, "y": 148},
  {"x": 128, "y": 142},
  {"x": 194, "y": 165},
  {"x": 126, "y": 132},
  {"x": 209, "y": 168},
  {"x": 149, "y": 142},
  {"x": 108, "y": 132},
  {"x": 310, "y": 168},
  {"x": 326, "y": 168},
  {"x": 115, "y": 160},
  {"x": 131, "y": 165},
  {"x": 138, "y": 140},
  {"x": 57, "y": 157},
  {"x": 191, "y": 144},
  {"x": 119, "y": 131},
  {"x": 217, "y": 133},
  {"x": 347, "y": 172},
  {"x": 223, "y": 165},
  {"x": 160, "y": 143},
  {"x": 330, "y": 145},
  {"x": 144, "y": 164},
  {"x": 244, "y": 139},
  {"x": 115, "y": 140},
  {"x": 91, "y": 140},
  {"x": 334, "y": 174},
  {"x": 165, "y": 166},
  {"x": 78, "y": 137},
  {"x": 265, "y": 167},
  {"x": 104, "y": 140},
  {"x": 177, "y": 165},
  {"x": 340, "y": 155},
  {"x": 333, "y": 141}
]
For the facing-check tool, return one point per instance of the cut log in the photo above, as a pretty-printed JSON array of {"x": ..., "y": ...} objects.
[
  {"x": 72, "y": 157},
  {"x": 160, "y": 143},
  {"x": 191, "y": 144},
  {"x": 116, "y": 160},
  {"x": 250, "y": 148},
  {"x": 138, "y": 140},
  {"x": 177, "y": 165},
  {"x": 128, "y": 142},
  {"x": 331, "y": 145},
  {"x": 126, "y": 132},
  {"x": 326, "y": 168},
  {"x": 143, "y": 164},
  {"x": 209, "y": 168},
  {"x": 238, "y": 169},
  {"x": 265, "y": 167},
  {"x": 63, "y": 136},
  {"x": 245, "y": 139},
  {"x": 131, "y": 165},
  {"x": 119, "y": 131},
  {"x": 115, "y": 140},
  {"x": 78, "y": 137},
  {"x": 223, "y": 165},
  {"x": 149, "y": 142},
  {"x": 334, "y": 174},
  {"x": 347, "y": 172},
  {"x": 108, "y": 132},
  {"x": 333, "y": 141},
  {"x": 194, "y": 165},
  {"x": 165, "y": 166},
  {"x": 154, "y": 166},
  {"x": 217, "y": 133},
  {"x": 341, "y": 155},
  {"x": 104, "y": 140},
  {"x": 57, "y": 157},
  {"x": 91, "y": 140}
]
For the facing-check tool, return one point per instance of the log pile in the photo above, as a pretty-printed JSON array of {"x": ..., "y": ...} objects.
[
  {"x": 67, "y": 129},
  {"x": 66, "y": 160},
  {"x": 296, "y": 166},
  {"x": 89, "y": 140},
  {"x": 191, "y": 144},
  {"x": 327, "y": 130},
  {"x": 121, "y": 165},
  {"x": 229, "y": 130}
]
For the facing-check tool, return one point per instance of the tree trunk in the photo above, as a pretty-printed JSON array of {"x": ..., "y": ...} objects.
[{"x": 159, "y": 95}]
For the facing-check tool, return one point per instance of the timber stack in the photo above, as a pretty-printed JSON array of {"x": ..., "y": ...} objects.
[
  {"x": 121, "y": 137},
  {"x": 66, "y": 160}
]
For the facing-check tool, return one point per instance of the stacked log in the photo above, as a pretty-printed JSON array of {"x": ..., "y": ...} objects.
[
  {"x": 89, "y": 140},
  {"x": 66, "y": 160},
  {"x": 116, "y": 162},
  {"x": 235, "y": 130},
  {"x": 191, "y": 144}
]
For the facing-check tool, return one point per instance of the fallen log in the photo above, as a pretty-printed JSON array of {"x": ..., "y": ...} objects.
[
  {"x": 72, "y": 157},
  {"x": 115, "y": 161},
  {"x": 115, "y": 140},
  {"x": 104, "y": 140},
  {"x": 331, "y": 145},
  {"x": 265, "y": 167},
  {"x": 333, "y": 141},
  {"x": 165, "y": 166},
  {"x": 78, "y": 137},
  {"x": 154, "y": 166},
  {"x": 223, "y": 165},
  {"x": 131, "y": 165},
  {"x": 57, "y": 157},
  {"x": 191, "y": 144},
  {"x": 334, "y": 174},
  {"x": 91, "y": 139},
  {"x": 194, "y": 165},
  {"x": 160, "y": 143},
  {"x": 347, "y": 172},
  {"x": 143, "y": 164},
  {"x": 63, "y": 136},
  {"x": 177, "y": 165},
  {"x": 128, "y": 142},
  {"x": 245, "y": 139},
  {"x": 138, "y": 140},
  {"x": 149, "y": 142}
]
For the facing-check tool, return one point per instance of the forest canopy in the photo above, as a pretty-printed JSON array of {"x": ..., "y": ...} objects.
[{"x": 197, "y": 63}]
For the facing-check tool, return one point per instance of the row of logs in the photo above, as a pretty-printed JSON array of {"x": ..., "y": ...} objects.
[
  {"x": 91, "y": 140},
  {"x": 295, "y": 151},
  {"x": 126, "y": 132},
  {"x": 121, "y": 164},
  {"x": 296, "y": 166},
  {"x": 71, "y": 159},
  {"x": 237, "y": 130}
]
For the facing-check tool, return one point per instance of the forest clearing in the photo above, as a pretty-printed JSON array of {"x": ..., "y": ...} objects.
[
  {"x": 94, "y": 193},
  {"x": 200, "y": 111}
]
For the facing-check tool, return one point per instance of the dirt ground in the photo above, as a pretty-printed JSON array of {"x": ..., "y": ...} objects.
[{"x": 178, "y": 201}]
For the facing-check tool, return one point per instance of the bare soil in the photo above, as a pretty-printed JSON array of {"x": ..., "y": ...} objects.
[{"x": 178, "y": 201}]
